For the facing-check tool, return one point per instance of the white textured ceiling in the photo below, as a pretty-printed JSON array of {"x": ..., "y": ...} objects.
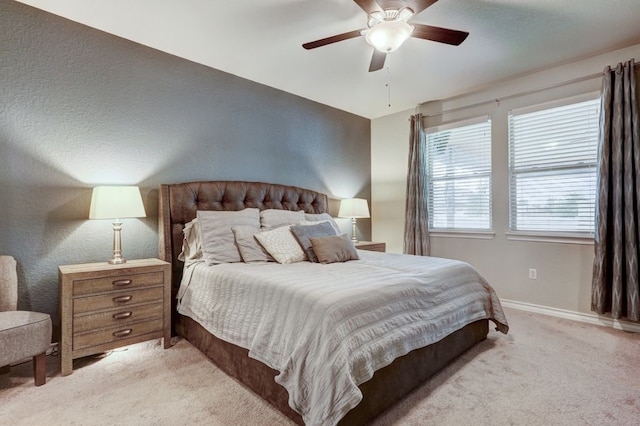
[{"x": 260, "y": 40}]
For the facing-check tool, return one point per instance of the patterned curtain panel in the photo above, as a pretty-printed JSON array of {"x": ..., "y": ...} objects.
[
  {"x": 416, "y": 225},
  {"x": 615, "y": 287}
]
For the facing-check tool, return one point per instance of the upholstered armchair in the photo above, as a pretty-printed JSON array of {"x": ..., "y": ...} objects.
[{"x": 23, "y": 334}]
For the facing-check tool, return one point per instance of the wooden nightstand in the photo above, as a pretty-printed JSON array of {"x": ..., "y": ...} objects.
[
  {"x": 371, "y": 246},
  {"x": 105, "y": 306}
]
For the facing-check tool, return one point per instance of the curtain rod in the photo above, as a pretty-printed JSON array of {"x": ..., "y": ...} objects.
[
  {"x": 527, "y": 92},
  {"x": 517, "y": 95}
]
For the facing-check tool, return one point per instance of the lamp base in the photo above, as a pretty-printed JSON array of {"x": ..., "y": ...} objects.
[
  {"x": 354, "y": 238},
  {"x": 117, "y": 244}
]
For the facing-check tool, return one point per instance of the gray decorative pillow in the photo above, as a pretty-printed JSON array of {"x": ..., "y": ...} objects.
[
  {"x": 316, "y": 217},
  {"x": 218, "y": 241},
  {"x": 302, "y": 233},
  {"x": 249, "y": 247},
  {"x": 334, "y": 249},
  {"x": 274, "y": 218}
]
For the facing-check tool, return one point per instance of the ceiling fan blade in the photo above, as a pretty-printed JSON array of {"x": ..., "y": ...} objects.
[
  {"x": 419, "y": 5},
  {"x": 369, "y": 6},
  {"x": 441, "y": 35},
  {"x": 332, "y": 39},
  {"x": 377, "y": 60}
]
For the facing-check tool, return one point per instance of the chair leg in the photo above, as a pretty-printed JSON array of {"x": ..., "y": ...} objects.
[
  {"x": 5, "y": 369},
  {"x": 40, "y": 368}
]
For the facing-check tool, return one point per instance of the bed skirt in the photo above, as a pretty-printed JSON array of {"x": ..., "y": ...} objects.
[{"x": 384, "y": 389}]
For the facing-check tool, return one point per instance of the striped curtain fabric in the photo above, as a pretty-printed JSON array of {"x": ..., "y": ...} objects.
[
  {"x": 615, "y": 287},
  {"x": 416, "y": 225}
]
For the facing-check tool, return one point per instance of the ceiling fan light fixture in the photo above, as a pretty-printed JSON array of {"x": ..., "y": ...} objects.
[{"x": 387, "y": 36}]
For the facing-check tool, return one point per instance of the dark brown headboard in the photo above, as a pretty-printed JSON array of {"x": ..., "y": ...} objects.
[{"x": 178, "y": 204}]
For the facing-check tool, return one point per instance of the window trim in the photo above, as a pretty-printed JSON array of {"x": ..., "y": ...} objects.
[
  {"x": 463, "y": 233},
  {"x": 551, "y": 237},
  {"x": 457, "y": 123},
  {"x": 557, "y": 103}
]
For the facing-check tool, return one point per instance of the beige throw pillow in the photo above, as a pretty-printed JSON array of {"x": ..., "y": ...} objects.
[
  {"x": 250, "y": 249},
  {"x": 334, "y": 249}
]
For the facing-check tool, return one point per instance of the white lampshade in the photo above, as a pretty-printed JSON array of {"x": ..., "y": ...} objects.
[
  {"x": 387, "y": 36},
  {"x": 354, "y": 208},
  {"x": 116, "y": 202}
]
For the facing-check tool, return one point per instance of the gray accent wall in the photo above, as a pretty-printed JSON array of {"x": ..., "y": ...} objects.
[{"x": 81, "y": 108}]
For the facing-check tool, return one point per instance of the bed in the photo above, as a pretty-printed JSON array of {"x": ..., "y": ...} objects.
[{"x": 392, "y": 379}]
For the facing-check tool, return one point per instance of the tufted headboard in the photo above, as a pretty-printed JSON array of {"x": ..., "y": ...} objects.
[{"x": 178, "y": 204}]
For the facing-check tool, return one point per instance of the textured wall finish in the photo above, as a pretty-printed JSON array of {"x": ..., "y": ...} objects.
[{"x": 79, "y": 108}]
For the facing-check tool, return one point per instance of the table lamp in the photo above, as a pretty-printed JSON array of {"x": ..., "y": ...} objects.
[
  {"x": 354, "y": 208},
  {"x": 116, "y": 202}
]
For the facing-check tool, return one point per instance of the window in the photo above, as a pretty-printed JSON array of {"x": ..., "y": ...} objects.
[
  {"x": 552, "y": 167},
  {"x": 459, "y": 175}
]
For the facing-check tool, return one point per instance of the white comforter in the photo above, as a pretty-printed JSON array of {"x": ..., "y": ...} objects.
[{"x": 328, "y": 328}]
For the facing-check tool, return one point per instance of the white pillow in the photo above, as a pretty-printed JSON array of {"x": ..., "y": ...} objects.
[
  {"x": 191, "y": 243},
  {"x": 274, "y": 218},
  {"x": 282, "y": 245},
  {"x": 218, "y": 242}
]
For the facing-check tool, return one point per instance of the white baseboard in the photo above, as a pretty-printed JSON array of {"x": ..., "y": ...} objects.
[{"x": 571, "y": 315}]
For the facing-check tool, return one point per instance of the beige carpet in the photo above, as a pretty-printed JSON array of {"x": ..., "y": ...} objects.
[{"x": 547, "y": 371}]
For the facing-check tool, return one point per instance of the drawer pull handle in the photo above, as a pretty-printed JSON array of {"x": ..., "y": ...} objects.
[
  {"x": 122, "y": 333},
  {"x": 122, "y": 315},
  {"x": 120, "y": 283},
  {"x": 122, "y": 299}
]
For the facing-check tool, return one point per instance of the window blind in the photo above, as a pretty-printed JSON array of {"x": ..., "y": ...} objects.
[
  {"x": 459, "y": 175},
  {"x": 552, "y": 167}
]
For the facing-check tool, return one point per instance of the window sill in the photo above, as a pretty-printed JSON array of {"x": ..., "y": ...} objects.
[
  {"x": 550, "y": 237},
  {"x": 477, "y": 235}
]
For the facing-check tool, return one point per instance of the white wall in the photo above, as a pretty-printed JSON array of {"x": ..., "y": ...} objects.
[
  {"x": 564, "y": 269},
  {"x": 389, "y": 157}
]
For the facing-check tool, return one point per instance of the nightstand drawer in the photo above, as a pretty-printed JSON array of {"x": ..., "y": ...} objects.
[
  {"x": 117, "y": 299},
  {"x": 117, "y": 317},
  {"x": 119, "y": 282},
  {"x": 114, "y": 334}
]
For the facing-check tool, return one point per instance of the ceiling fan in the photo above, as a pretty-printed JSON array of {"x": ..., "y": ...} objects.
[{"x": 387, "y": 28}]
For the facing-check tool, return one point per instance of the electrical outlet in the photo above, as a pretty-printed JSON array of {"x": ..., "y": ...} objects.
[{"x": 533, "y": 274}]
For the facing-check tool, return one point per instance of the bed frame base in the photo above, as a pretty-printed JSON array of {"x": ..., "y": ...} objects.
[{"x": 388, "y": 385}]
